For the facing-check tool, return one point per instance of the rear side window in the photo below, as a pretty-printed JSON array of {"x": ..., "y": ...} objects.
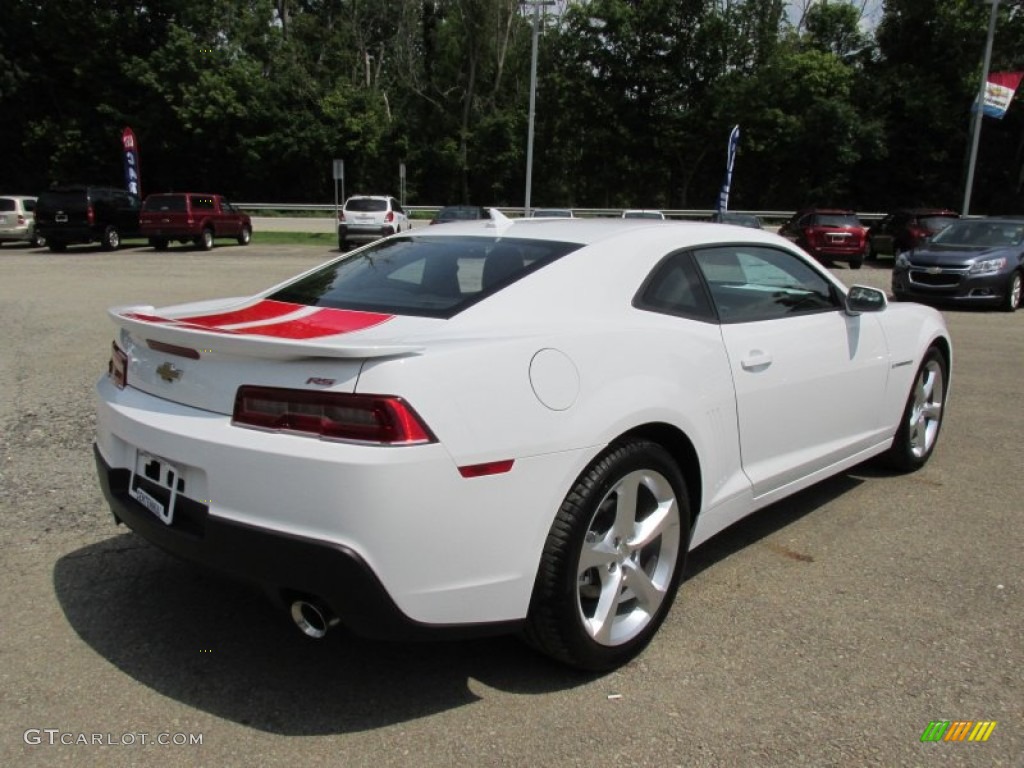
[
  {"x": 169, "y": 203},
  {"x": 366, "y": 205},
  {"x": 675, "y": 288},
  {"x": 29, "y": 204},
  {"x": 202, "y": 203},
  {"x": 427, "y": 276}
]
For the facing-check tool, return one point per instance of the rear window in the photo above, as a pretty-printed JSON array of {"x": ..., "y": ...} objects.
[
  {"x": 426, "y": 276},
  {"x": 164, "y": 203},
  {"x": 366, "y": 204},
  {"x": 6, "y": 204},
  {"x": 62, "y": 199},
  {"x": 836, "y": 220}
]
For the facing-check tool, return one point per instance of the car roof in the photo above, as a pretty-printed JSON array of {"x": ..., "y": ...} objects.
[{"x": 590, "y": 231}]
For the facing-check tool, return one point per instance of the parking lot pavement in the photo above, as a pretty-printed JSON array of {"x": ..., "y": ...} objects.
[{"x": 830, "y": 629}]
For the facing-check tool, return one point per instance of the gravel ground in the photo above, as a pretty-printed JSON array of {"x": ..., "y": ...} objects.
[{"x": 828, "y": 630}]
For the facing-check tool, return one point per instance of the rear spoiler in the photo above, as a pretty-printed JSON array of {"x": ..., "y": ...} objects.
[{"x": 143, "y": 322}]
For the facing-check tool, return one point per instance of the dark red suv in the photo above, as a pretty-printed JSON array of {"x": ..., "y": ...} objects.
[
  {"x": 828, "y": 234},
  {"x": 903, "y": 230},
  {"x": 192, "y": 217}
]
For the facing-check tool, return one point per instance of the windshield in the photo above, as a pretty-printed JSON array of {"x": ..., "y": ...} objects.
[
  {"x": 429, "y": 276},
  {"x": 936, "y": 223},
  {"x": 982, "y": 234}
]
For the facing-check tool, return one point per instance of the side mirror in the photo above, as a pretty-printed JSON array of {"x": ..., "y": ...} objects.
[{"x": 862, "y": 298}]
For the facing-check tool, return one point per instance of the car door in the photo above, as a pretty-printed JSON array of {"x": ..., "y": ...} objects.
[
  {"x": 809, "y": 378},
  {"x": 882, "y": 234}
]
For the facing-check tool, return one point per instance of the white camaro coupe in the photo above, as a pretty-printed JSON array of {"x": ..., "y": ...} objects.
[{"x": 507, "y": 426}]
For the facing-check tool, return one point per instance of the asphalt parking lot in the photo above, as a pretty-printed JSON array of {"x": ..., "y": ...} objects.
[{"x": 828, "y": 630}]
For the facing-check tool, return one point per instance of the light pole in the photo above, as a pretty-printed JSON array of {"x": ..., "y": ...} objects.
[
  {"x": 976, "y": 131},
  {"x": 533, "y": 100}
]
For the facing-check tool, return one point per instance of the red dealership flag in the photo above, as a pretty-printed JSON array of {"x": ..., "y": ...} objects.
[{"x": 999, "y": 91}]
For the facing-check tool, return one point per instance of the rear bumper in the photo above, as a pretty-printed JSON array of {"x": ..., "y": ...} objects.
[
  {"x": 349, "y": 232},
  {"x": 286, "y": 566}
]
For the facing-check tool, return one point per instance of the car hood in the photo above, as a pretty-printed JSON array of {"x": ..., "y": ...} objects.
[{"x": 941, "y": 255}]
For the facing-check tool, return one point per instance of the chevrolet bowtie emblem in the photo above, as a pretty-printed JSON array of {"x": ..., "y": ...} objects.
[{"x": 168, "y": 372}]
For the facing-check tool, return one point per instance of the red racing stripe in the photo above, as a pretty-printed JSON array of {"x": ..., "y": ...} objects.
[
  {"x": 324, "y": 322},
  {"x": 264, "y": 310}
]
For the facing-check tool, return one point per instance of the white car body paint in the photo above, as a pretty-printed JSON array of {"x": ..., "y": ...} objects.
[{"x": 547, "y": 372}]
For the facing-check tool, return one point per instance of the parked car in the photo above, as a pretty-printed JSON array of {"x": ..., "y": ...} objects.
[
  {"x": 971, "y": 261},
  {"x": 737, "y": 219},
  {"x": 552, "y": 213},
  {"x": 192, "y": 217},
  {"x": 905, "y": 229},
  {"x": 637, "y": 213},
  {"x": 365, "y": 218},
  {"x": 460, "y": 213},
  {"x": 507, "y": 428},
  {"x": 17, "y": 220},
  {"x": 86, "y": 214},
  {"x": 829, "y": 235}
]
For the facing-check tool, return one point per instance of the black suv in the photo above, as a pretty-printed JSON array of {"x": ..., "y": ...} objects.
[
  {"x": 86, "y": 214},
  {"x": 906, "y": 229}
]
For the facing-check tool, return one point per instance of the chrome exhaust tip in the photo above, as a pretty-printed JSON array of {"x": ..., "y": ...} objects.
[{"x": 312, "y": 618}]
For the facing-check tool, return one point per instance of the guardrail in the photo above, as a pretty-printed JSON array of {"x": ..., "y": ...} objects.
[{"x": 426, "y": 211}]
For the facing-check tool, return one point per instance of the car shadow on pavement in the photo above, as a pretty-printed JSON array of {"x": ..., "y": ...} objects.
[
  {"x": 775, "y": 517},
  {"x": 223, "y": 648}
]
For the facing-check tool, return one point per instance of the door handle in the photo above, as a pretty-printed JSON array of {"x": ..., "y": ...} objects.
[{"x": 756, "y": 360}]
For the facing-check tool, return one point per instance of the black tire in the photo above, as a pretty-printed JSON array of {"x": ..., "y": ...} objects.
[
  {"x": 37, "y": 241},
  {"x": 856, "y": 263},
  {"x": 870, "y": 254},
  {"x": 342, "y": 244},
  {"x": 1013, "y": 293},
  {"x": 921, "y": 421},
  {"x": 111, "y": 239},
  {"x": 564, "y": 619},
  {"x": 57, "y": 247},
  {"x": 245, "y": 237},
  {"x": 204, "y": 242},
  {"x": 158, "y": 243}
]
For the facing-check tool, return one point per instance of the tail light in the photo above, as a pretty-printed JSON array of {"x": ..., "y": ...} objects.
[
  {"x": 341, "y": 215},
  {"x": 389, "y": 216},
  {"x": 21, "y": 220},
  {"x": 90, "y": 215},
  {"x": 381, "y": 419}
]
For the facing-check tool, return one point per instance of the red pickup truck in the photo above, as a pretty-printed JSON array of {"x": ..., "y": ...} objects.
[{"x": 192, "y": 217}]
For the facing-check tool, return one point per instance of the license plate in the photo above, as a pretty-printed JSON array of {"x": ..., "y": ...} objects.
[
  {"x": 164, "y": 476},
  {"x": 61, "y": 218},
  {"x": 119, "y": 367}
]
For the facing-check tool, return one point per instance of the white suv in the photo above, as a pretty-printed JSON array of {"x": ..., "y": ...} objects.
[
  {"x": 370, "y": 217},
  {"x": 18, "y": 221}
]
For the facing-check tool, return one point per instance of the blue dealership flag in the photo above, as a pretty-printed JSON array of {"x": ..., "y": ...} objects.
[
  {"x": 132, "y": 180},
  {"x": 723, "y": 196}
]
